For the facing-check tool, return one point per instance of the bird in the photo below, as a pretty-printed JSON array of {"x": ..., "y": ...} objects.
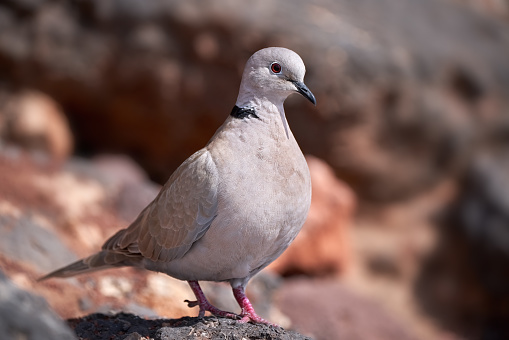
[{"x": 232, "y": 207}]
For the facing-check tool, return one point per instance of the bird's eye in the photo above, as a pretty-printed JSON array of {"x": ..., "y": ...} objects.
[{"x": 275, "y": 67}]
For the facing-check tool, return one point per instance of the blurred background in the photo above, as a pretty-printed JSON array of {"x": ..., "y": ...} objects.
[{"x": 408, "y": 146}]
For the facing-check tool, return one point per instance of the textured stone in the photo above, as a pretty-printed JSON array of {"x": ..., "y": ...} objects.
[
  {"x": 122, "y": 326},
  {"x": 35, "y": 122},
  {"x": 24, "y": 238},
  {"x": 26, "y": 316}
]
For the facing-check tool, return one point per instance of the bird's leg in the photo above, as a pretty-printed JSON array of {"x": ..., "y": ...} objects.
[
  {"x": 204, "y": 304},
  {"x": 248, "y": 313}
]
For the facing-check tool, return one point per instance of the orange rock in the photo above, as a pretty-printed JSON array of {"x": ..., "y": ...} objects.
[
  {"x": 322, "y": 247},
  {"x": 36, "y": 122}
]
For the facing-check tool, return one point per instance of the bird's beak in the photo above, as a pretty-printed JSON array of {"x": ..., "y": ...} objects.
[{"x": 303, "y": 90}]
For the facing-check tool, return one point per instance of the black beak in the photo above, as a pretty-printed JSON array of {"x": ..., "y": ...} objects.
[{"x": 303, "y": 90}]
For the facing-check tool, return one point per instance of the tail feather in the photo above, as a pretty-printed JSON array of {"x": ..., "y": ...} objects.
[{"x": 86, "y": 265}]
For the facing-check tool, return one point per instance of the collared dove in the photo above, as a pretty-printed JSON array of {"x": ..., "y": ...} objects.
[{"x": 232, "y": 207}]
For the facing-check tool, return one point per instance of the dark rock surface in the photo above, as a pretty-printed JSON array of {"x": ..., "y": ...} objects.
[
  {"x": 128, "y": 326},
  {"x": 26, "y": 316}
]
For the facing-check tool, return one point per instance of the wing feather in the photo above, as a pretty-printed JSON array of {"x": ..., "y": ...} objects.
[{"x": 179, "y": 216}]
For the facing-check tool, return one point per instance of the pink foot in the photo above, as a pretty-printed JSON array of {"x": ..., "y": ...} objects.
[
  {"x": 205, "y": 305},
  {"x": 248, "y": 313}
]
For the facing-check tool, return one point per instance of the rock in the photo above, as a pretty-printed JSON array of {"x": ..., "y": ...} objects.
[
  {"x": 117, "y": 170},
  {"x": 128, "y": 326},
  {"x": 46, "y": 212},
  {"x": 323, "y": 245},
  {"x": 400, "y": 101},
  {"x": 23, "y": 238},
  {"x": 410, "y": 94},
  {"x": 140, "y": 310},
  {"x": 133, "y": 336},
  {"x": 126, "y": 184},
  {"x": 165, "y": 295},
  {"x": 326, "y": 309},
  {"x": 115, "y": 286},
  {"x": 134, "y": 197},
  {"x": 26, "y": 316},
  {"x": 496, "y": 8},
  {"x": 78, "y": 197},
  {"x": 134, "y": 191},
  {"x": 35, "y": 121},
  {"x": 464, "y": 280}
]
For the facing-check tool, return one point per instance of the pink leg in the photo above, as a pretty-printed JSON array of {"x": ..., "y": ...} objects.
[
  {"x": 248, "y": 313},
  {"x": 204, "y": 304}
]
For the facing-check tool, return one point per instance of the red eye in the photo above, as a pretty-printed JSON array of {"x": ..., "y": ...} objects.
[{"x": 275, "y": 67}]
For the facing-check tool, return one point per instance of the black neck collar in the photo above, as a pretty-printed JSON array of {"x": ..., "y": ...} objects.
[{"x": 243, "y": 112}]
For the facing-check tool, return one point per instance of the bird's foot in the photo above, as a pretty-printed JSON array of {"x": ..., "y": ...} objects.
[
  {"x": 205, "y": 305},
  {"x": 191, "y": 304},
  {"x": 253, "y": 317},
  {"x": 248, "y": 313}
]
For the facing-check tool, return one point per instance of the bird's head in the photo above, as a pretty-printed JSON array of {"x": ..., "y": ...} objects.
[{"x": 273, "y": 73}]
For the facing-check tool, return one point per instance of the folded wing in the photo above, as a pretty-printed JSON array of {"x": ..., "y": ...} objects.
[{"x": 179, "y": 216}]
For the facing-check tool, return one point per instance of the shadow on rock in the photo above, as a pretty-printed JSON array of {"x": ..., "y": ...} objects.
[{"x": 132, "y": 327}]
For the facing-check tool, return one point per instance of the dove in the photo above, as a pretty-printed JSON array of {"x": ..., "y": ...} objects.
[{"x": 232, "y": 207}]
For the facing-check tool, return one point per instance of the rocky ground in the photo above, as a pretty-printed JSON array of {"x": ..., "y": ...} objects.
[
  {"x": 408, "y": 149},
  {"x": 51, "y": 214},
  {"x": 131, "y": 327}
]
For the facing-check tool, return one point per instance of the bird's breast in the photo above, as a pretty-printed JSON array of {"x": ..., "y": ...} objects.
[{"x": 263, "y": 197}]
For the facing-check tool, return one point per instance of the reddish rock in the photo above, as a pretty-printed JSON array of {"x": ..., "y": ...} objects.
[
  {"x": 323, "y": 245},
  {"x": 129, "y": 182},
  {"x": 327, "y": 309},
  {"x": 156, "y": 79},
  {"x": 35, "y": 121},
  {"x": 47, "y": 214}
]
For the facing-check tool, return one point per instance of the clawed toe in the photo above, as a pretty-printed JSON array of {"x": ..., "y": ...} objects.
[
  {"x": 205, "y": 305},
  {"x": 254, "y": 318},
  {"x": 219, "y": 312},
  {"x": 191, "y": 304},
  {"x": 248, "y": 314}
]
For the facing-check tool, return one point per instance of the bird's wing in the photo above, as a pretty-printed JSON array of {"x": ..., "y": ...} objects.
[{"x": 179, "y": 216}]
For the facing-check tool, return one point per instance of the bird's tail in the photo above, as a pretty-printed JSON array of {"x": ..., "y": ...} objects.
[{"x": 86, "y": 265}]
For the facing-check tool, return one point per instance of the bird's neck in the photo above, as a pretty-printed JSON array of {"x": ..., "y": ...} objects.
[
  {"x": 243, "y": 112},
  {"x": 263, "y": 108}
]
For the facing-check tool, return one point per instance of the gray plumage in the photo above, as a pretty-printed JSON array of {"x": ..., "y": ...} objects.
[{"x": 232, "y": 207}]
